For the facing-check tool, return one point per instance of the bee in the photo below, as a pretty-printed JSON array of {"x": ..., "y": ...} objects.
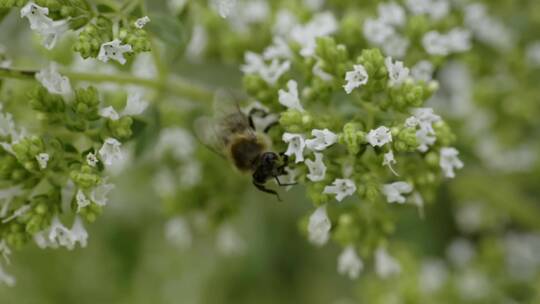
[{"x": 231, "y": 133}]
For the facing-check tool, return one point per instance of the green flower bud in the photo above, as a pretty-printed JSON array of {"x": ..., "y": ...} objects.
[
  {"x": 352, "y": 137},
  {"x": 85, "y": 177},
  {"x": 120, "y": 128}
]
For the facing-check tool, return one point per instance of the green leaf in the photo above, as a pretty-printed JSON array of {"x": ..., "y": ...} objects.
[{"x": 169, "y": 29}]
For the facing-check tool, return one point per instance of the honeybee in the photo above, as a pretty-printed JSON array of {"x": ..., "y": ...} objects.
[{"x": 231, "y": 133}]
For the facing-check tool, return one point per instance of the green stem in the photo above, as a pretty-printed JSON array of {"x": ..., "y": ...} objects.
[{"x": 177, "y": 86}]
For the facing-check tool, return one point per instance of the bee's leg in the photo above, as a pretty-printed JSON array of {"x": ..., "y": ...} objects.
[
  {"x": 284, "y": 185},
  {"x": 270, "y": 126},
  {"x": 262, "y": 188}
]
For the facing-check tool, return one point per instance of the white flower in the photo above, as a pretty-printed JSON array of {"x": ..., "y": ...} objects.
[
  {"x": 460, "y": 252},
  {"x": 425, "y": 140},
  {"x": 394, "y": 191},
  {"x": 423, "y": 71},
  {"x": 433, "y": 275},
  {"x": 60, "y": 235},
  {"x": 317, "y": 168},
  {"x": 296, "y": 145},
  {"x": 284, "y": 23},
  {"x": 78, "y": 232},
  {"x": 109, "y": 112},
  {"x": 459, "y": 40},
  {"x": 229, "y": 242},
  {"x": 435, "y": 43},
  {"x": 389, "y": 160},
  {"x": 314, "y": 5},
  {"x": 323, "y": 139},
  {"x": 224, "y": 7},
  {"x": 135, "y": 104},
  {"x": 6, "y": 278},
  {"x": 322, "y": 24},
  {"x": 197, "y": 44},
  {"x": 91, "y": 159},
  {"x": 53, "y": 81},
  {"x": 377, "y": 31},
  {"x": 42, "y": 159},
  {"x": 533, "y": 53},
  {"x": 141, "y": 22},
  {"x": 43, "y": 25},
  {"x": 113, "y": 50},
  {"x": 278, "y": 50},
  {"x": 449, "y": 161},
  {"x": 99, "y": 194},
  {"x": 385, "y": 265},
  {"x": 81, "y": 200},
  {"x": 397, "y": 72},
  {"x": 341, "y": 188},
  {"x": 488, "y": 29},
  {"x": 379, "y": 137},
  {"x": 355, "y": 78},
  {"x": 319, "y": 72},
  {"x": 190, "y": 174},
  {"x": 396, "y": 46},
  {"x": 426, "y": 118},
  {"x": 290, "y": 98},
  {"x": 289, "y": 178},
  {"x": 177, "y": 141},
  {"x": 349, "y": 263},
  {"x": 110, "y": 152},
  {"x": 392, "y": 13},
  {"x": 319, "y": 227},
  {"x": 178, "y": 233},
  {"x": 269, "y": 73}
]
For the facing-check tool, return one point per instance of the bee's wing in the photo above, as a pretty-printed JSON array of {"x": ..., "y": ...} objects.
[
  {"x": 226, "y": 107},
  {"x": 208, "y": 133}
]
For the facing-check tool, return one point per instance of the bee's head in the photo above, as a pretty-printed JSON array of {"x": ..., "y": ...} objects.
[{"x": 268, "y": 159}]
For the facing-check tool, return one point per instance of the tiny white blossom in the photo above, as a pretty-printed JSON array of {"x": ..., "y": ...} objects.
[
  {"x": 60, "y": 235},
  {"x": 379, "y": 137},
  {"x": 285, "y": 21},
  {"x": 341, "y": 188},
  {"x": 319, "y": 227},
  {"x": 224, "y": 7},
  {"x": 141, "y": 22},
  {"x": 99, "y": 194},
  {"x": 43, "y": 25},
  {"x": 426, "y": 118},
  {"x": 319, "y": 72},
  {"x": 385, "y": 265},
  {"x": 396, "y": 46},
  {"x": 433, "y": 275},
  {"x": 323, "y": 139},
  {"x": 53, "y": 81},
  {"x": 397, "y": 72},
  {"x": 91, "y": 159},
  {"x": 425, "y": 140},
  {"x": 423, "y": 71},
  {"x": 198, "y": 43},
  {"x": 460, "y": 252},
  {"x": 532, "y": 53},
  {"x": 394, "y": 191},
  {"x": 289, "y": 178},
  {"x": 349, "y": 263},
  {"x": 290, "y": 99},
  {"x": 110, "y": 151},
  {"x": 42, "y": 159},
  {"x": 389, "y": 160},
  {"x": 229, "y": 242},
  {"x": 113, "y": 50},
  {"x": 355, "y": 78},
  {"x": 296, "y": 146},
  {"x": 17, "y": 213},
  {"x": 79, "y": 233},
  {"x": 306, "y": 35},
  {"x": 377, "y": 31},
  {"x": 449, "y": 161},
  {"x": 278, "y": 50},
  {"x": 81, "y": 200},
  {"x": 135, "y": 104},
  {"x": 6, "y": 278},
  {"x": 178, "y": 233},
  {"x": 270, "y": 73},
  {"x": 435, "y": 43},
  {"x": 317, "y": 168},
  {"x": 459, "y": 40},
  {"x": 392, "y": 13},
  {"x": 177, "y": 141},
  {"x": 109, "y": 112}
]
